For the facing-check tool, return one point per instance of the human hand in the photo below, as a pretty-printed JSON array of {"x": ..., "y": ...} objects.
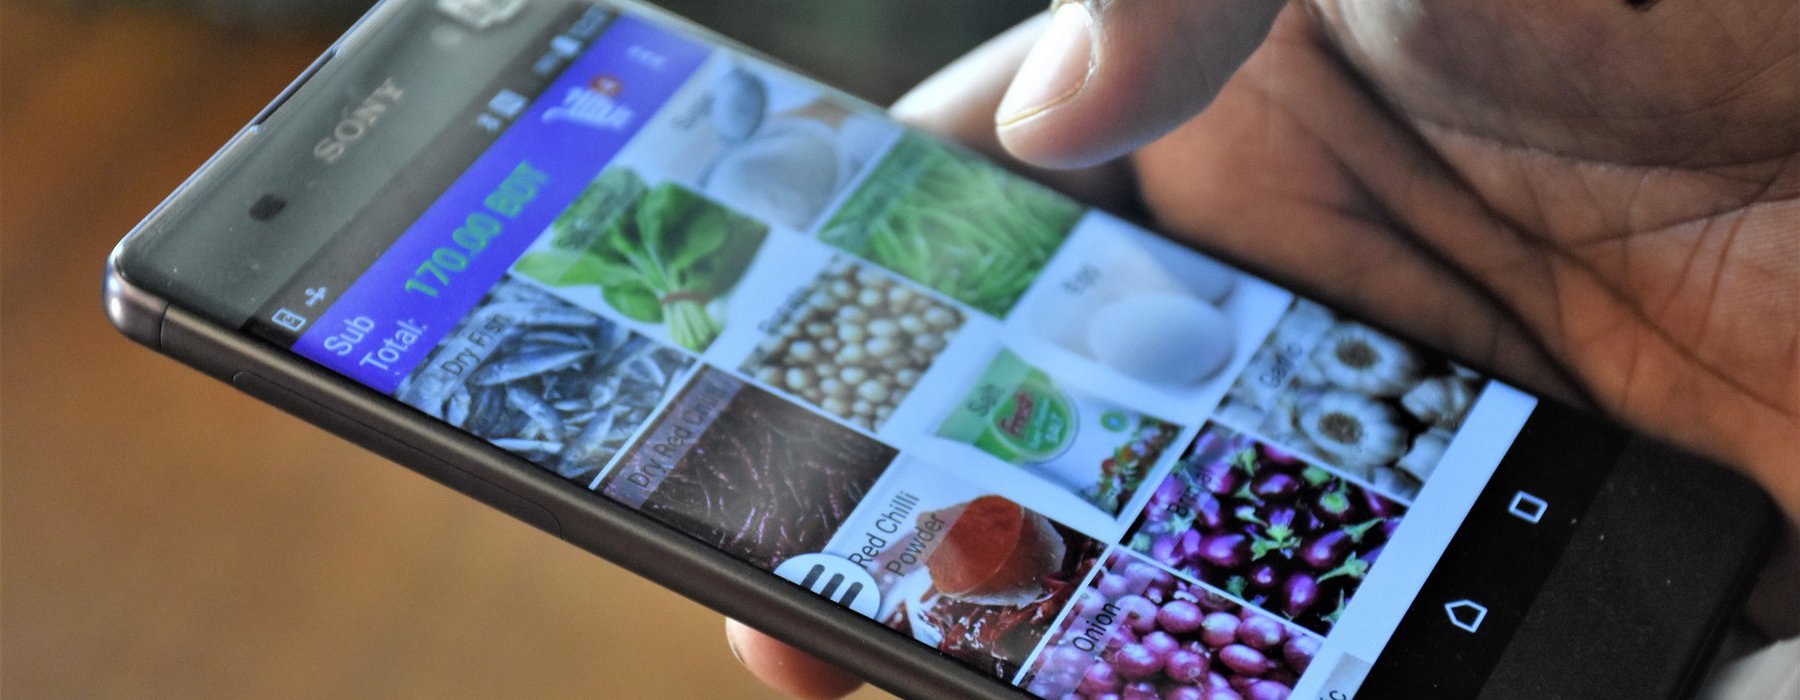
[
  {"x": 1596, "y": 199},
  {"x": 1601, "y": 200}
]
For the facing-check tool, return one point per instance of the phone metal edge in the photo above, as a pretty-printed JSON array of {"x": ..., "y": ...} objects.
[{"x": 136, "y": 313}]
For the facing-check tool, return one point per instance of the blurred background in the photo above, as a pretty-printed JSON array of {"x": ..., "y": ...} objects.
[{"x": 162, "y": 535}]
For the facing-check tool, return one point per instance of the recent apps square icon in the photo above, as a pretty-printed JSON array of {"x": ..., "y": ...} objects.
[{"x": 1527, "y": 507}]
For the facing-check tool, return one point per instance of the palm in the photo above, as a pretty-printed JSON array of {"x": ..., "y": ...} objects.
[{"x": 1578, "y": 219}]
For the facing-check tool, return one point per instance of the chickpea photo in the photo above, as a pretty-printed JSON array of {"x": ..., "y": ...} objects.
[{"x": 857, "y": 345}]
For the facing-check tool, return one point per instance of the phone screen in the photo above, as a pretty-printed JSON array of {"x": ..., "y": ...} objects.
[{"x": 1054, "y": 446}]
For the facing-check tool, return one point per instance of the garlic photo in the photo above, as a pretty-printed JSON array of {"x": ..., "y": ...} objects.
[
  {"x": 1359, "y": 358},
  {"x": 1440, "y": 401},
  {"x": 1427, "y": 450},
  {"x": 1353, "y": 428},
  {"x": 1364, "y": 403}
]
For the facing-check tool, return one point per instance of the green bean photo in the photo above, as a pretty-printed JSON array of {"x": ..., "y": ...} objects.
[{"x": 954, "y": 223}]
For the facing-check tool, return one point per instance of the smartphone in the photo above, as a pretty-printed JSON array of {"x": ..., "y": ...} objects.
[{"x": 680, "y": 306}]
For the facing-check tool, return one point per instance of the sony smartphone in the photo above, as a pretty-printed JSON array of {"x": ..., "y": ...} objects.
[{"x": 943, "y": 426}]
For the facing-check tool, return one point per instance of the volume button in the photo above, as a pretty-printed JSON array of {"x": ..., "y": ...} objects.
[{"x": 380, "y": 443}]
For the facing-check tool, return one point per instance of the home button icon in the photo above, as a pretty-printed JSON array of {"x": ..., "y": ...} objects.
[
  {"x": 1527, "y": 507},
  {"x": 1466, "y": 614}
]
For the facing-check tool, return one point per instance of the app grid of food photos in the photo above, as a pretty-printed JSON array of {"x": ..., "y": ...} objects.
[{"x": 1062, "y": 450}]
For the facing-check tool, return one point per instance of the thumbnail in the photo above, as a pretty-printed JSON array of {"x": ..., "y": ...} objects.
[
  {"x": 969, "y": 572},
  {"x": 657, "y": 254},
  {"x": 1354, "y": 397},
  {"x": 856, "y": 343},
  {"x": 1138, "y": 632},
  {"x": 746, "y": 471},
  {"x": 953, "y": 222},
  {"x": 1265, "y": 526},
  {"x": 1098, "y": 450},
  {"x": 545, "y": 380}
]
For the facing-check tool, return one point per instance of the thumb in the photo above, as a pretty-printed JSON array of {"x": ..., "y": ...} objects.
[{"x": 1108, "y": 76}]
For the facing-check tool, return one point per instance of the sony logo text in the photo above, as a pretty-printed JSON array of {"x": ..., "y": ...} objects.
[{"x": 357, "y": 124}]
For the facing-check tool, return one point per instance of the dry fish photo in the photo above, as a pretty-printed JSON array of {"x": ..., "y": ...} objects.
[
  {"x": 1353, "y": 397},
  {"x": 545, "y": 380}
]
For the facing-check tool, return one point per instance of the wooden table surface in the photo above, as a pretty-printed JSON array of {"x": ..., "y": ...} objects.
[{"x": 165, "y": 536}]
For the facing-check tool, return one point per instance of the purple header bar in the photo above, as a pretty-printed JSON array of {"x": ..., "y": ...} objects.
[{"x": 389, "y": 320}]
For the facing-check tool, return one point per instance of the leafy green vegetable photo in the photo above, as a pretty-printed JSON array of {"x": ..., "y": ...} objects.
[
  {"x": 659, "y": 254},
  {"x": 954, "y": 223}
]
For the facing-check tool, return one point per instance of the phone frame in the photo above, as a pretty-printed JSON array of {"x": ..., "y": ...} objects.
[{"x": 598, "y": 525}]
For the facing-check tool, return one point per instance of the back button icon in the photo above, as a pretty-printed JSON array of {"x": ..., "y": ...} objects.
[{"x": 1466, "y": 614}]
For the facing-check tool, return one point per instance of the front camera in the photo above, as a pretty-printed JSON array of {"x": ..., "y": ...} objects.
[{"x": 266, "y": 207}]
